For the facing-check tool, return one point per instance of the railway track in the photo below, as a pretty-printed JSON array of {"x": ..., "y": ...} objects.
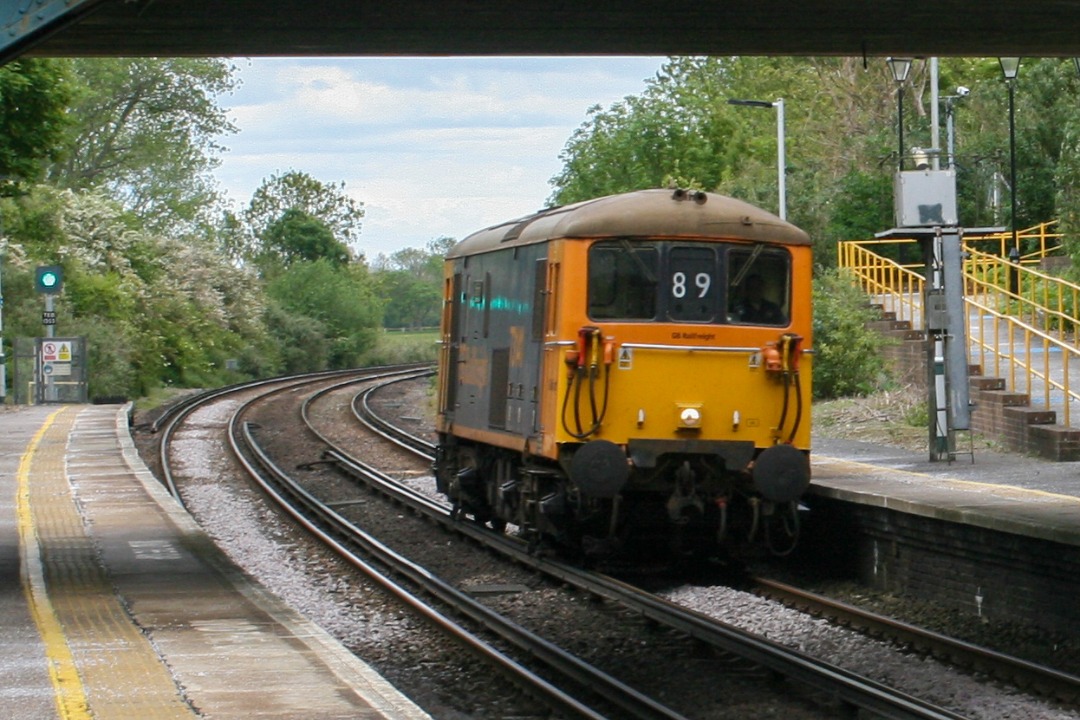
[
  {"x": 851, "y": 690},
  {"x": 856, "y": 692},
  {"x": 409, "y": 583},
  {"x": 1029, "y": 676}
]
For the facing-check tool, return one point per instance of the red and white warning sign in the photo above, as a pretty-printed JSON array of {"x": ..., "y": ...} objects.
[{"x": 56, "y": 351}]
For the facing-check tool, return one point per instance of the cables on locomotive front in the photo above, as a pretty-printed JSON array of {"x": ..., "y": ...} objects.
[
  {"x": 785, "y": 361},
  {"x": 584, "y": 364}
]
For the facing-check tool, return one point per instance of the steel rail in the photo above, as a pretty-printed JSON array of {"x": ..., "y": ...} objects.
[
  {"x": 345, "y": 534},
  {"x": 362, "y": 411},
  {"x": 168, "y": 422},
  {"x": 627, "y": 699},
  {"x": 1029, "y": 675},
  {"x": 849, "y": 687},
  {"x": 170, "y": 419},
  {"x": 1038, "y": 678}
]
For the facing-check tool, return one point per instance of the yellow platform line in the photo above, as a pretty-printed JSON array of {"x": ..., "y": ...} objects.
[
  {"x": 70, "y": 696},
  {"x": 102, "y": 663}
]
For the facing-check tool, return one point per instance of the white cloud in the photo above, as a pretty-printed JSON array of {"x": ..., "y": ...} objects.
[{"x": 432, "y": 147}]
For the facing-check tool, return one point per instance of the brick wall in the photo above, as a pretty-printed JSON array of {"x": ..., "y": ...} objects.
[
  {"x": 979, "y": 571},
  {"x": 1005, "y": 416}
]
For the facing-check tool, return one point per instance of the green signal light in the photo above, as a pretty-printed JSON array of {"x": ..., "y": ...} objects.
[{"x": 49, "y": 279}]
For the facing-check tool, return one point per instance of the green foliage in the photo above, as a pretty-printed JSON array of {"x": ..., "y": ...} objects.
[
  {"x": 677, "y": 129},
  {"x": 918, "y": 415},
  {"x": 303, "y": 342},
  {"x": 154, "y": 311},
  {"x": 297, "y": 236},
  {"x": 410, "y": 285},
  {"x": 335, "y": 304},
  {"x": 154, "y": 271},
  {"x": 34, "y": 95},
  {"x": 862, "y": 205},
  {"x": 411, "y": 302},
  {"x": 110, "y": 346},
  {"x": 299, "y": 191},
  {"x": 841, "y": 140},
  {"x": 682, "y": 130},
  {"x": 146, "y": 129},
  {"x": 847, "y": 356},
  {"x": 164, "y": 282}
]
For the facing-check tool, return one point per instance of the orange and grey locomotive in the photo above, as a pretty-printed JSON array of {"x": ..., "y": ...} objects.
[{"x": 635, "y": 366}]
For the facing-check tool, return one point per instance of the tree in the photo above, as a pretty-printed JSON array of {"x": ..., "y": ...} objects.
[
  {"x": 157, "y": 310},
  {"x": 683, "y": 131},
  {"x": 338, "y": 305},
  {"x": 410, "y": 284},
  {"x": 34, "y": 95},
  {"x": 297, "y": 236},
  {"x": 298, "y": 191},
  {"x": 147, "y": 129},
  {"x": 841, "y": 139}
]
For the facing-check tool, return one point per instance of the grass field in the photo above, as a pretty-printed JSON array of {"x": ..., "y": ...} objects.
[{"x": 395, "y": 347}]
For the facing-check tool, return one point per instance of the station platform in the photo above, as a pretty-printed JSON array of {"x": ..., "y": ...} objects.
[
  {"x": 114, "y": 604},
  {"x": 1006, "y": 492}
]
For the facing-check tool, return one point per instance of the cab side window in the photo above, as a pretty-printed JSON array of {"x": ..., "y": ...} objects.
[{"x": 759, "y": 287}]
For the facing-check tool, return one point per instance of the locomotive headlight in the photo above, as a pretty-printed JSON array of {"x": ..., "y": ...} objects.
[{"x": 689, "y": 417}]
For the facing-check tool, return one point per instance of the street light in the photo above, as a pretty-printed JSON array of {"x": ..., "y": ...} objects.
[
  {"x": 781, "y": 162},
  {"x": 900, "y": 68},
  {"x": 1010, "y": 68}
]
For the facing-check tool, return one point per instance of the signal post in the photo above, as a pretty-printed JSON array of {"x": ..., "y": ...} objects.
[
  {"x": 925, "y": 205},
  {"x": 60, "y": 367}
]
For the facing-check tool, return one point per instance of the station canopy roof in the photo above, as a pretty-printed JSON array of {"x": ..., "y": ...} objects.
[{"x": 173, "y": 28}]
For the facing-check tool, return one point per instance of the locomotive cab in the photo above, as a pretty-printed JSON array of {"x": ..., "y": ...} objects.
[{"x": 635, "y": 366}]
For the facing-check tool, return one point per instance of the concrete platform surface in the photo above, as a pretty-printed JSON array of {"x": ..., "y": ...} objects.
[
  {"x": 1001, "y": 491},
  {"x": 114, "y": 604}
]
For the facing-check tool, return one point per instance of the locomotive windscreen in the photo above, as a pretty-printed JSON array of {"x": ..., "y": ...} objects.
[{"x": 695, "y": 282}]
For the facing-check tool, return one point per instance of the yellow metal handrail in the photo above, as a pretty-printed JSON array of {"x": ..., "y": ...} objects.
[
  {"x": 1017, "y": 317},
  {"x": 897, "y": 287},
  {"x": 1039, "y": 237}
]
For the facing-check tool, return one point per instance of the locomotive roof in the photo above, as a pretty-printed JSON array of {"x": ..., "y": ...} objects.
[{"x": 644, "y": 213}]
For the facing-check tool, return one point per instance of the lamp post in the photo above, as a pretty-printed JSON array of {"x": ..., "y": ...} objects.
[
  {"x": 950, "y": 124},
  {"x": 781, "y": 161},
  {"x": 900, "y": 68},
  {"x": 1010, "y": 68}
]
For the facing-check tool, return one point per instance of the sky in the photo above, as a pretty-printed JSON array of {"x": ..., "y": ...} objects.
[{"x": 432, "y": 147}]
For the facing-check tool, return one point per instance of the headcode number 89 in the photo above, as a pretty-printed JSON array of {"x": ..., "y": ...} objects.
[{"x": 678, "y": 284}]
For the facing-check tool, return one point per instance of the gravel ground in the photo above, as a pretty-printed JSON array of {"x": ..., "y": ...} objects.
[{"x": 451, "y": 685}]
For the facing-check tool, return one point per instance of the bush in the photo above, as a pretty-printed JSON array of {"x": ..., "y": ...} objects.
[{"x": 847, "y": 359}]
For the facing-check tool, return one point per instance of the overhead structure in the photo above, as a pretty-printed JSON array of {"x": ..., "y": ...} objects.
[{"x": 169, "y": 28}]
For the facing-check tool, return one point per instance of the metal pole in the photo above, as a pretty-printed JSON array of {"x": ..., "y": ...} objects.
[
  {"x": 3, "y": 357},
  {"x": 1012, "y": 161},
  {"x": 781, "y": 161},
  {"x": 950, "y": 133},
  {"x": 935, "y": 120},
  {"x": 50, "y": 387},
  {"x": 900, "y": 126}
]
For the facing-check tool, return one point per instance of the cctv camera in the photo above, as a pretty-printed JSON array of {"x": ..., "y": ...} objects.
[{"x": 963, "y": 91}]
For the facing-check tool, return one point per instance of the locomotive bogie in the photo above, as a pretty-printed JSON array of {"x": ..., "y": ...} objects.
[{"x": 637, "y": 363}]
